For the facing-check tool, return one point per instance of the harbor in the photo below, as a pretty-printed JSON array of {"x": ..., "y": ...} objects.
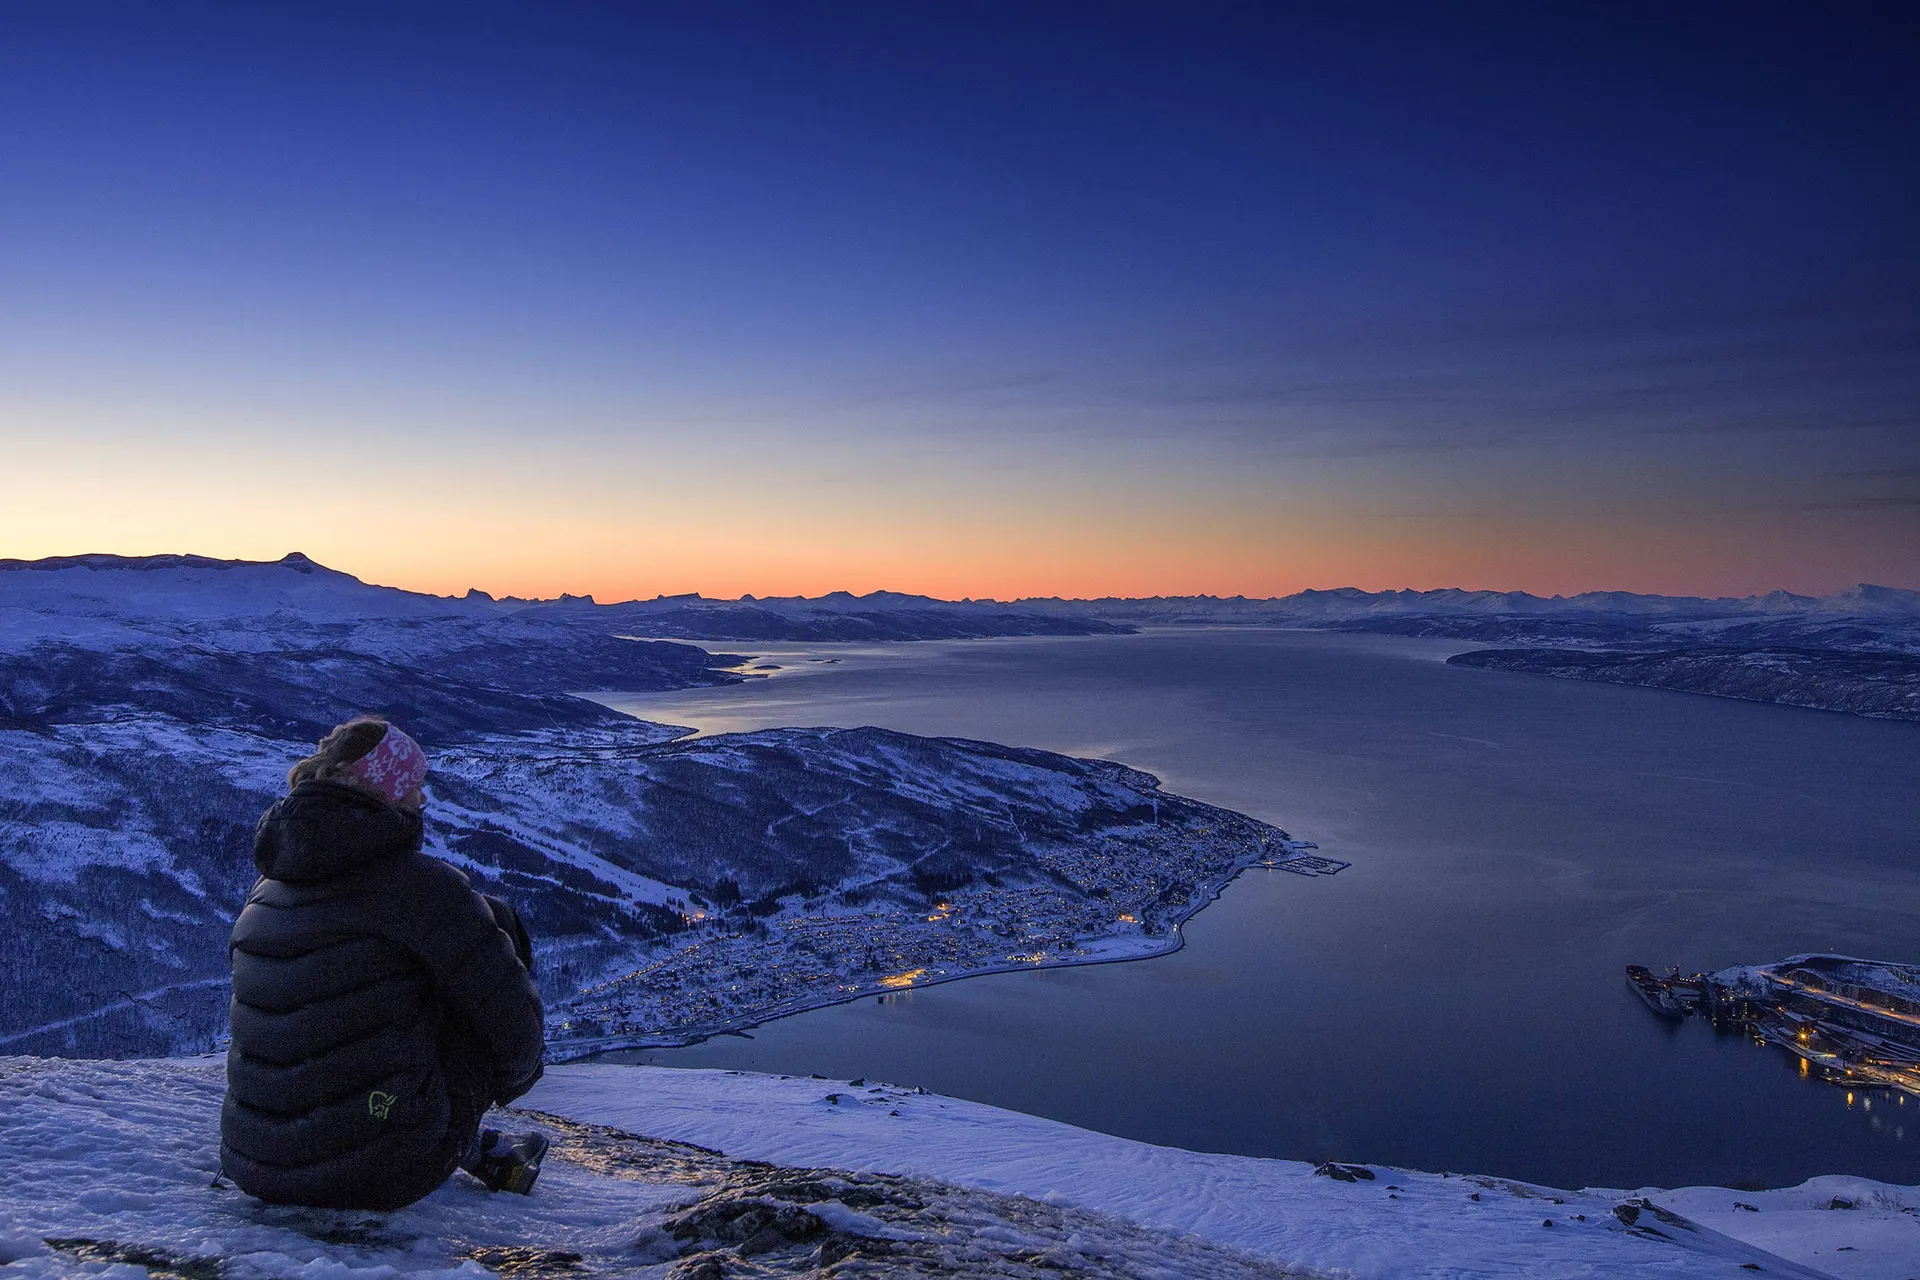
[
  {"x": 1852, "y": 1022},
  {"x": 1298, "y": 856}
]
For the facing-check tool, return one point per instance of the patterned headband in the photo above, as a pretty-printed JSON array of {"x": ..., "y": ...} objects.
[{"x": 395, "y": 768}]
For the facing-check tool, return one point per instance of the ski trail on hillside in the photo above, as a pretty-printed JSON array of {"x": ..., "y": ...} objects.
[{"x": 117, "y": 1006}]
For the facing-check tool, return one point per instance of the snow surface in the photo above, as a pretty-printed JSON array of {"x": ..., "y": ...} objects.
[
  {"x": 125, "y": 1152},
  {"x": 112, "y": 1162},
  {"x": 111, "y": 1174},
  {"x": 1403, "y": 1223}
]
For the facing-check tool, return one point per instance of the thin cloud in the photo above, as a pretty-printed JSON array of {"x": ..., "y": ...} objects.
[{"x": 1869, "y": 502}]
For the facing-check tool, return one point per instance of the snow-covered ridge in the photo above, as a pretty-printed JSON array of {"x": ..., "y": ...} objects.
[
  {"x": 676, "y": 887},
  {"x": 1349, "y": 603},
  {"x": 111, "y": 1164},
  {"x": 186, "y": 587},
  {"x": 128, "y": 598}
]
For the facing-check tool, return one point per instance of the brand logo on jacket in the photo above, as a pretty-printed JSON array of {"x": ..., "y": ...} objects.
[{"x": 378, "y": 1104}]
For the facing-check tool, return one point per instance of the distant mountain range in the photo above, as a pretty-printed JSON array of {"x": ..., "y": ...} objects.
[
  {"x": 1861, "y": 619},
  {"x": 117, "y": 590},
  {"x": 134, "y": 594},
  {"x": 1855, "y": 650},
  {"x": 1349, "y": 603}
]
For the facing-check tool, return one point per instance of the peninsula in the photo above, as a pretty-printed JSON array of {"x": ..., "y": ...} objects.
[{"x": 677, "y": 886}]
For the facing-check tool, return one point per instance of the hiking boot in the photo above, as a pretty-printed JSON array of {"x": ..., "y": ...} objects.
[{"x": 506, "y": 1161}]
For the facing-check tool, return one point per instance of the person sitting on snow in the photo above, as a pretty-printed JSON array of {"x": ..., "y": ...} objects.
[{"x": 380, "y": 1004}]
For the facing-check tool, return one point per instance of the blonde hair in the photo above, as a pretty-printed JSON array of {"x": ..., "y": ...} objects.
[{"x": 347, "y": 743}]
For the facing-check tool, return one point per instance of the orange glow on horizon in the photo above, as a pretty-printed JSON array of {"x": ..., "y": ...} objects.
[
  {"x": 610, "y": 578},
  {"x": 535, "y": 526},
  {"x": 1543, "y": 562}
]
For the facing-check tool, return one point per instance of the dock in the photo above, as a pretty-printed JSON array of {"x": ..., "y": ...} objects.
[
  {"x": 1304, "y": 865},
  {"x": 1855, "y": 1023},
  {"x": 1662, "y": 995},
  {"x": 1298, "y": 856}
]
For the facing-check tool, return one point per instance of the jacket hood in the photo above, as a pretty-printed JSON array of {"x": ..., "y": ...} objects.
[{"x": 325, "y": 829}]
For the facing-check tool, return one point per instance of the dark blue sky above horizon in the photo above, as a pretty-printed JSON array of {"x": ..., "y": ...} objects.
[{"x": 969, "y": 299}]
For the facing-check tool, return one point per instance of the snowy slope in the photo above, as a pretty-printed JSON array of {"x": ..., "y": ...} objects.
[
  {"x": 126, "y": 849},
  {"x": 1402, "y": 1223},
  {"x": 186, "y": 588},
  {"x": 122, "y": 598},
  {"x": 110, "y": 1165},
  {"x": 150, "y": 707}
]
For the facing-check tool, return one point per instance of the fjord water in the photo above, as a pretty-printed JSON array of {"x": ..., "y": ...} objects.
[{"x": 1455, "y": 999}]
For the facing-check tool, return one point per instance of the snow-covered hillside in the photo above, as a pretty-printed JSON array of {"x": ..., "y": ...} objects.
[
  {"x": 149, "y": 711},
  {"x": 1881, "y": 685},
  {"x": 111, "y": 1173},
  {"x": 130, "y": 597},
  {"x": 122, "y": 595},
  {"x": 675, "y": 887},
  {"x": 281, "y": 637}
]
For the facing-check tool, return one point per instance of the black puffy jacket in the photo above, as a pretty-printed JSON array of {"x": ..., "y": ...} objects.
[{"x": 378, "y": 1009}]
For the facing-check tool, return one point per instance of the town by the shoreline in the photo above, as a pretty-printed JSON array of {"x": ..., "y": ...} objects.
[{"x": 1125, "y": 897}]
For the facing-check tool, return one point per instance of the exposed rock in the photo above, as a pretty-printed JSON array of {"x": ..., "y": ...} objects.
[
  {"x": 758, "y": 1220},
  {"x": 1346, "y": 1172}
]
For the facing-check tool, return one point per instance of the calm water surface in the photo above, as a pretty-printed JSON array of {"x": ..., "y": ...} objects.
[{"x": 1454, "y": 1000}]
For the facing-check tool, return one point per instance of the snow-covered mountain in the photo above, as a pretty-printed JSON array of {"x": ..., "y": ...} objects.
[
  {"x": 154, "y": 592},
  {"x": 1884, "y": 618},
  {"x": 284, "y": 647},
  {"x": 1856, "y": 650},
  {"x": 238, "y": 605},
  {"x": 837, "y": 616},
  {"x": 798, "y": 866},
  {"x": 149, "y": 711},
  {"x": 230, "y": 601}
]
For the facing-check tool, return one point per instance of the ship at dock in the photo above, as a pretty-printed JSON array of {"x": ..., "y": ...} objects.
[
  {"x": 1670, "y": 997},
  {"x": 1850, "y": 1021}
]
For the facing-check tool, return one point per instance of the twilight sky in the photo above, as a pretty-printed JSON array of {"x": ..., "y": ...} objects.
[{"x": 969, "y": 299}]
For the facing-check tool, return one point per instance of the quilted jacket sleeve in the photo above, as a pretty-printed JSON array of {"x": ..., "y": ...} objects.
[{"x": 476, "y": 969}]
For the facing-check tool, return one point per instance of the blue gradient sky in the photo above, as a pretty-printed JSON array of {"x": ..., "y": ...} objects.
[{"x": 969, "y": 299}]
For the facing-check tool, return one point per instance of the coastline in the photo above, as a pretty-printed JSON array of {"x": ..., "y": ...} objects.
[
  {"x": 589, "y": 1048},
  {"x": 1874, "y": 685}
]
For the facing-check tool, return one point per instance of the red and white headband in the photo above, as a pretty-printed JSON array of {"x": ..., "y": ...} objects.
[{"x": 395, "y": 768}]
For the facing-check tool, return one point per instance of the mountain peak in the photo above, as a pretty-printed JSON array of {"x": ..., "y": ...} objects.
[{"x": 1866, "y": 598}]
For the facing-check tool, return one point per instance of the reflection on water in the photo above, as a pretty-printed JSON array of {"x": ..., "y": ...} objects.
[{"x": 1455, "y": 999}]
